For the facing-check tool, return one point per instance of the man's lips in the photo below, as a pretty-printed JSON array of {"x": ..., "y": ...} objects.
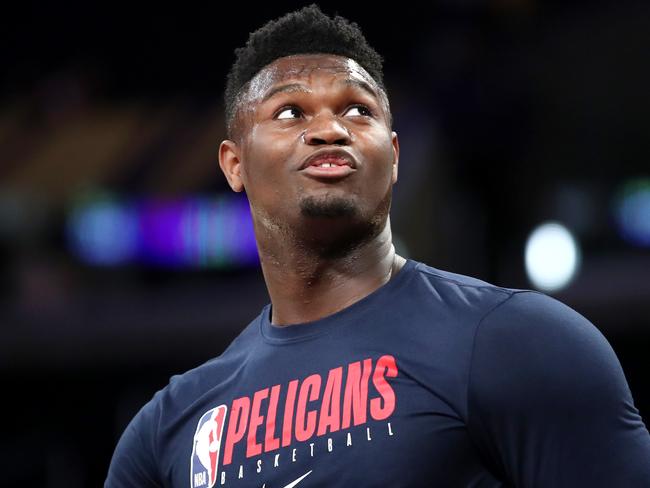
[
  {"x": 335, "y": 171},
  {"x": 329, "y": 164}
]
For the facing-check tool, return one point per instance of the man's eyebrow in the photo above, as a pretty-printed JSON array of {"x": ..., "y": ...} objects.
[
  {"x": 299, "y": 87},
  {"x": 360, "y": 84},
  {"x": 289, "y": 87}
]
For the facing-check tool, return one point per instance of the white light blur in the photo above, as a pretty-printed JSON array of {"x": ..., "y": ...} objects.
[{"x": 552, "y": 257}]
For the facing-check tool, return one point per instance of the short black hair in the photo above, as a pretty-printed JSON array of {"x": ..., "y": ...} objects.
[{"x": 304, "y": 31}]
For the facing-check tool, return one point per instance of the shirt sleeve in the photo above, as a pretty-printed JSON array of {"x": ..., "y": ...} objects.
[
  {"x": 134, "y": 463},
  {"x": 548, "y": 402}
]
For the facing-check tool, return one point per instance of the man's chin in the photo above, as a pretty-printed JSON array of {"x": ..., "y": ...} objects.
[
  {"x": 328, "y": 207},
  {"x": 334, "y": 225}
]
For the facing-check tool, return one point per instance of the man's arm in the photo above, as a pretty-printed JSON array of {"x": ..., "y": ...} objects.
[
  {"x": 548, "y": 402},
  {"x": 133, "y": 463}
]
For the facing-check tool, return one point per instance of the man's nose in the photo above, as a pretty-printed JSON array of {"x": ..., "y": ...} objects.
[{"x": 326, "y": 129}]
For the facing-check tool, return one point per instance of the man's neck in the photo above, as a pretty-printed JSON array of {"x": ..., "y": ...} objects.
[{"x": 305, "y": 286}]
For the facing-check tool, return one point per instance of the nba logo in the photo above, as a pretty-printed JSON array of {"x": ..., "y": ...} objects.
[{"x": 206, "y": 448}]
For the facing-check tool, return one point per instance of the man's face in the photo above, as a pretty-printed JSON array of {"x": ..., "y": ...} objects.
[{"x": 299, "y": 105}]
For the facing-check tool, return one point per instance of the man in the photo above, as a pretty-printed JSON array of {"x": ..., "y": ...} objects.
[{"x": 368, "y": 369}]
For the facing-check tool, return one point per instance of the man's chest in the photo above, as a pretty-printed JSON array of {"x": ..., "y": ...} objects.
[{"x": 369, "y": 422}]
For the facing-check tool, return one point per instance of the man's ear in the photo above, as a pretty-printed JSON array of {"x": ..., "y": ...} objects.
[
  {"x": 395, "y": 155},
  {"x": 230, "y": 162}
]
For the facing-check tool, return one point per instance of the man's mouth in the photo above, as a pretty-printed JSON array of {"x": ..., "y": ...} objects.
[
  {"x": 329, "y": 168},
  {"x": 332, "y": 163}
]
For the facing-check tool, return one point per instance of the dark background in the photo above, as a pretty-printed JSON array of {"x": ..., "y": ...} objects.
[{"x": 509, "y": 112}]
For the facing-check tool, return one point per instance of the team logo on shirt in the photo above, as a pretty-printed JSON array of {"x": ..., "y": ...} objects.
[
  {"x": 291, "y": 414},
  {"x": 207, "y": 445}
]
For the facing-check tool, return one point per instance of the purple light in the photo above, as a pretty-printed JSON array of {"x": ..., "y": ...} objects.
[
  {"x": 192, "y": 232},
  {"x": 161, "y": 241}
]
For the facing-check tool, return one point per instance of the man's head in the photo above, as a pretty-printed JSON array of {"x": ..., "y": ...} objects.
[{"x": 305, "y": 84}]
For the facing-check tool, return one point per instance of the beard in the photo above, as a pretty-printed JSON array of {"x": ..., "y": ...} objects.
[
  {"x": 340, "y": 224},
  {"x": 328, "y": 207}
]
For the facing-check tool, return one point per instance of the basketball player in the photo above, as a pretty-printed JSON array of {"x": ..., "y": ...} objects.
[{"x": 367, "y": 369}]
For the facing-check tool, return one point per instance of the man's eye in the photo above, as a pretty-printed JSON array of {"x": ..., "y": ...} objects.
[
  {"x": 292, "y": 112},
  {"x": 362, "y": 109},
  {"x": 289, "y": 110}
]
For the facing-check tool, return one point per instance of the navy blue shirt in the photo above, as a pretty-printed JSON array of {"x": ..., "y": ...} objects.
[{"x": 435, "y": 379}]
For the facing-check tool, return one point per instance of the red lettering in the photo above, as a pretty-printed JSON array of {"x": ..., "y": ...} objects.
[
  {"x": 270, "y": 442},
  {"x": 287, "y": 423},
  {"x": 236, "y": 426},
  {"x": 302, "y": 424},
  {"x": 330, "y": 412},
  {"x": 355, "y": 398},
  {"x": 254, "y": 448},
  {"x": 310, "y": 388},
  {"x": 386, "y": 366}
]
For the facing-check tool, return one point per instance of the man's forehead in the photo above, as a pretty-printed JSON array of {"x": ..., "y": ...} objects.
[
  {"x": 300, "y": 67},
  {"x": 297, "y": 65}
]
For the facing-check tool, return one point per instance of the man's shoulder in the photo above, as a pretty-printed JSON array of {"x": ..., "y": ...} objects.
[
  {"x": 450, "y": 277},
  {"x": 462, "y": 290},
  {"x": 514, "y": 307},
  {"x": 531, "y": 313},
  {"x": 501, "y": 310}
]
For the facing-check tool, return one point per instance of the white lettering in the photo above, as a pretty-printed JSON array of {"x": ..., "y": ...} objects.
[
  {"x": 311, "y": 446},
  {"x": 259, "y": 465},
  {"x": 200, "y": 479},
  {"x": 223, "y": 477},
  {"x": 241, "y": 471},
  {"x": 293, "y": 456},
  {"x": 349, "y": 439},
  {"x": 275, "y": 463},
  {"x": 390, "y": 431},
  {"x": 368, "y": 433},
  {"x": 329, "y": 444}
]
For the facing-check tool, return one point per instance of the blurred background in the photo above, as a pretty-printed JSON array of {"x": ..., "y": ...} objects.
[{"x": 125, "y": 258}]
